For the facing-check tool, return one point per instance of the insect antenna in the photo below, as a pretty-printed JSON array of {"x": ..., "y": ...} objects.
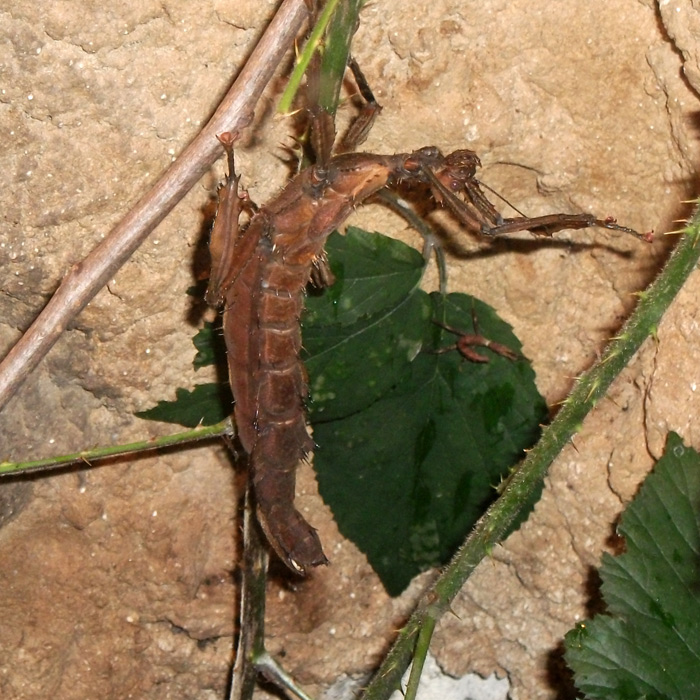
[{"x": 502, "y": 198}]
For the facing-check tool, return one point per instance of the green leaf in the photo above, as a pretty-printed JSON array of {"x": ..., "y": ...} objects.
[
  {"x": 648, "y": 645},
  {"x": 407, "y": 476},
  {"x": 366, "y": 314},
  {"x": 351, "y": 366},
  {"x": 206, "y": 404}
]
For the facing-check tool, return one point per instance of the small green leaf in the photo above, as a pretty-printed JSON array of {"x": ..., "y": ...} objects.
[
  {"x": 208, "y": 350},
  {"x": 648, "y": 645},
  {"x": 206, "y": 404}
]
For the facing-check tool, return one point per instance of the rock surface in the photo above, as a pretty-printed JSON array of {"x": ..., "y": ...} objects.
[{"x": 119, "y": 581}]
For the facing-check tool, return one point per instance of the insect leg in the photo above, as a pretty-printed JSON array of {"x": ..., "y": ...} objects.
[
  {"x": 225, "y": 230},
  {"x": 360, "y": 128},
  {"x": 551, "y": 223},
  {"x": 466, "y": 342}
]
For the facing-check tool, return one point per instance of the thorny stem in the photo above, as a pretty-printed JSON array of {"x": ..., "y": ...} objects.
[
  {"x": 86, "y": 278},
  {"x": 312, "y": 45},
  {"x": 590, "y": 387},
  {"x": 420, "y": 653},
  {"x": 337, "y": 52},
  {"x": 87, "y": 457},
  {"x": 251, "y": 656}
]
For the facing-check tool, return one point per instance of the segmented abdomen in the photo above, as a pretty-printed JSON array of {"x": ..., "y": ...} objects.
[{"x": 269, "y": 385}]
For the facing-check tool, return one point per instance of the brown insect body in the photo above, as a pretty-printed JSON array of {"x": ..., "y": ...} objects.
[
  {"x": 260, "y": 272},
  {"x": 262, "y": 283}
]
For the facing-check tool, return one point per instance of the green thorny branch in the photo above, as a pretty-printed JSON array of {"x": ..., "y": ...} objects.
[
  {"x": 331, "y": 37},
  {"x": 87, "y": 457}
]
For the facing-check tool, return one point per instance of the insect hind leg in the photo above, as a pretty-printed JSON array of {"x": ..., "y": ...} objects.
[{"x": 466, "y": 342}]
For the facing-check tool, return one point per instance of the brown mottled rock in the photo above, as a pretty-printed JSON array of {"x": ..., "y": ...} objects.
[{"x": 119, "y": 581}]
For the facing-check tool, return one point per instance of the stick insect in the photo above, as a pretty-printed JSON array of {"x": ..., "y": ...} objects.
[{"x": 259, "y": 273}]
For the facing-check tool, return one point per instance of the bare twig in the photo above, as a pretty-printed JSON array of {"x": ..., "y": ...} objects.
[{"x": 86, "y": 278}]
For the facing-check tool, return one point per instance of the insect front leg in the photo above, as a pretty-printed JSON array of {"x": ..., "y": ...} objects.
[
  {"x": 226, "y": 232},
  {"x": 455, "y": 173},
  {"x": 551, "y": 223},
  {"x": 492, "y": 224}
]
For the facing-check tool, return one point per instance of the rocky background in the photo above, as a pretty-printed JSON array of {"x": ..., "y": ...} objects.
[{"x": 119, "y": 581}]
